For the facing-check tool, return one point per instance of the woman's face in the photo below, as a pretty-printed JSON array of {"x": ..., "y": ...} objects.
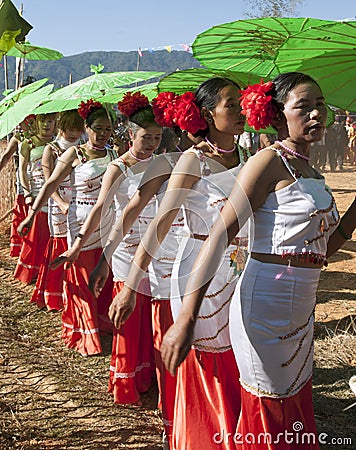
[
  {"x": 72, "y": 135},
  {"x": 147, "y": 140},
  {"x": 46, "y": 125},
  {"x": 227, "y": 113},
  {"x": 305, "y": 112},
  {"x": 99, "y": 131}
]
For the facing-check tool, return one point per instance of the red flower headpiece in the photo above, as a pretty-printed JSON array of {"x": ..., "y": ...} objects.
[
  {"x": 85, "y": 108},
  {"x": 257, "y": 106},
  {"x": 164, "y": 108},
  {"x": 187, "y": 115},
  {"x": 132, "y": 102}
]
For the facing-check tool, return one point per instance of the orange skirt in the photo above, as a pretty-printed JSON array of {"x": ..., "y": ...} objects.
[
  {"x": 277, "y": 423},
  {"x": 132, "y": 362},
  {"x": 19, "y": 213},
  {"x": 81, "y": 326},
  {"x": 48, "y": 292},
  {"x": 162, "y": 320},
  {"x": 207, "y": 401},
  {"x": 33, "y": 249}
]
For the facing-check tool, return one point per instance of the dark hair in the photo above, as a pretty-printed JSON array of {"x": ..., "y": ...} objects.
[
  {"x": 284, "y": 83},
  {"x": 208, "y": 95},
  {"x": 102, "y": 112},
  {"x": 41, "y": 117},
  {"x": 70, "y": 120},
  {"x": 143, "y": 118}
]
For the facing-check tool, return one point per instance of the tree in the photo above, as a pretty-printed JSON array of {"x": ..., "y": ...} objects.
[{"x": 272, "y": 8}]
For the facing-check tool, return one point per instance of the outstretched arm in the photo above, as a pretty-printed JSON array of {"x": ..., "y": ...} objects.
[
  {"x": 111, "y": 179},
  {"x": 62, "y": 169},
  {"x": 344, "y": 231},
  {"x": 11, "y": 148},
  {"x": 250, "y": 191},
  {"x": 153, "y": 178},
  {"x": 184, "y": 176},
  {"x": 48, "y": 164}
]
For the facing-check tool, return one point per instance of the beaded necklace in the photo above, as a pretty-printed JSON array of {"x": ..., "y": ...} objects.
[
  {"x": 139, "y": 159},
  {"x": 93, "y": 147},
  {"x": 292, "y": 152},
  {"x": 216, "y": 148}
]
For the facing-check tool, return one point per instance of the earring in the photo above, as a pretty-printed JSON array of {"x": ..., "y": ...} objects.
[{"x": 210, "y": 120}]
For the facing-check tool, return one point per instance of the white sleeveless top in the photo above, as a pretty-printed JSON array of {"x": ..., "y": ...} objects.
[
  {"x": 35, "y": 172},
  {"x": 86, "y": 180},
  {"x": 160, "y": 269},
  {"x": 201, "y": 209},
  {"x": 57, "y": 221},
  {"x": 296, "y": 220},
  {"x": 125, "y": 252}
]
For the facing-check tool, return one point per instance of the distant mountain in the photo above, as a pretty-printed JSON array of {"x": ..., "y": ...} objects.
[{"x": 78, "y": 66}]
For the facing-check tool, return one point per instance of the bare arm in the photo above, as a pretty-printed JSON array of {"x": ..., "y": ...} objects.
[
  {"x": 24, "y": 158},
  {"x": 250, "y": 191},
  {"x": 344, "y": 231},
  {"x": 153, "y": 178},
  {"x": 60, "y": 172},
  {"x": 11, "y": 149},
  {"x": 111, "y": 179},
  {"x": 48, "y": 164},
  {"x": 184, "y": 176}
]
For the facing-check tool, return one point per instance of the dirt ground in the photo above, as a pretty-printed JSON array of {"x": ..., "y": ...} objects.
[{"x": 52, "y": 398}]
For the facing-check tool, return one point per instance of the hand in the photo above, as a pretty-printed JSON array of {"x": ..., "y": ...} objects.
[
  {"x": 176, "y": 344},
  {"x": 122, "y": 306},
  {"x": 98, "y": 277},
  {"x": 64, "y": 207},
  {"x": 28, "y": 200},
  {"x": 67, "y": 257},
  {"x": 25, "y": 226}
]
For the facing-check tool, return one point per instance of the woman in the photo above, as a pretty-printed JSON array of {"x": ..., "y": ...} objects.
[
  {"x": 48, "y": 292},
  {"x": 153, "y": 184},
  {"x": 132, "y": 365},
  {"x": 26, "y": 129},
  {"x": 86, "y": 165},
  {"x": 32, "y": 179},
  {"x": 207, "y": 385},
  {"x": 271, "y": 314}
]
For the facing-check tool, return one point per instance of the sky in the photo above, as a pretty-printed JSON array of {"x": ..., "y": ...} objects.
[{"x": 77, "y": 26}]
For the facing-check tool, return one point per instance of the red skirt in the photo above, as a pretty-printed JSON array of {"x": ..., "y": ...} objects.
[
  {"x": 132, "y": 362},
  {"x": 277, "y": 423},
  {"x": 19, "y": 213},
  {"x": 162, "y": 320},
  {"x": 48, "y": 292},
  {"x": 81, "y": 325},
  {"x": 33, "y": 249},
  {"x": 207, "y": 401}
]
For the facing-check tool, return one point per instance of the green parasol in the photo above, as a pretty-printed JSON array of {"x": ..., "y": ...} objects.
[
  {"x": 20, "y": 93},
  {"x": 31, "y": 52},
  {"x": 111, "y": 95},
  {"x": 95, "y": 86},
  {"x": 249, "y": 45},
  {"x": 22, "y": 108},
  {"x": 328, "y": 54},
  {"x": 188, "y": 80}
]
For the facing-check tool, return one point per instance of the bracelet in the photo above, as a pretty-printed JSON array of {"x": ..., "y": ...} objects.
[
  {"x": 80, "y": 235},
  {"x": 28, "y": 195},
  {"x": 343, "y": 234},
  {"x": 34, "y": 210}
]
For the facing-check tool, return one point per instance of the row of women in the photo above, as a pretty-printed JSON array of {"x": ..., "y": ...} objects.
[{"x": 204, "y": 262}]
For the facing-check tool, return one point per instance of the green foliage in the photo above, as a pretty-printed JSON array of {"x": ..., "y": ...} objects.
[{"x": 78, "y": 66}]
